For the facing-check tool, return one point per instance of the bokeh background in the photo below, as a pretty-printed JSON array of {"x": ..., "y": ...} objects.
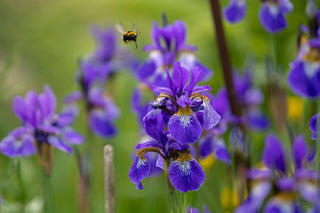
[{"x": 41, "y": 42}]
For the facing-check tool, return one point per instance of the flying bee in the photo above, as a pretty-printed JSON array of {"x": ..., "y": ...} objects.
[{"x": 128, "y": 36}]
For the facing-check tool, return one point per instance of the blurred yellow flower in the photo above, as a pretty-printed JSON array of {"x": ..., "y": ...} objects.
[
  {"x": 229, "y": 198},
  {"x": 207, "y": 162},
  {"x": 295, "y": 107}
]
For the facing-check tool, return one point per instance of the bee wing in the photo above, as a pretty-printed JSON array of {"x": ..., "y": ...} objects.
[
  {"x": 134, "y": 28},
  {"x": 120, "y": 28}
]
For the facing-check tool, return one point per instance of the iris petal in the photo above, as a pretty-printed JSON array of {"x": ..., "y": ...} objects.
[
  {"x": 186, "y": 174},
  {"x": 139, "y": 170},
  {"x": 184, "y": 126}
]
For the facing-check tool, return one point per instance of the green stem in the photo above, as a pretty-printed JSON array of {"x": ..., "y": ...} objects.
[
  {"x": 273, "y": 52},
  {"x": 47, "y": 192},
  {"x": 318, "y": 138},
  {"x": 22, "y": 194}
]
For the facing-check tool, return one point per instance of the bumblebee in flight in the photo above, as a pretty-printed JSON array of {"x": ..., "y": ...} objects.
[{"x": 128, "y": 36}]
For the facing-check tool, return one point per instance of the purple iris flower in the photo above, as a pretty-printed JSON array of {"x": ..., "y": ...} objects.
[
  {"x": 250, "y": 99},
  {"x": 278, "y": 188},
  {"x": 313, "y": 125},
  {"x": 304, "y": 75},
  {"x": 184, "y": 172},
  {"x": 102, "y": 112},
  {"x": 169, "y": 46},
  {"x": 189, "y": 111},
  {"x": 235, "y": 11},
  {"x": 41, "y": 126},
  {"x": 272, "y": 14}
]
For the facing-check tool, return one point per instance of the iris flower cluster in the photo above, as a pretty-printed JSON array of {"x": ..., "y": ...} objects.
[
  {"x": 279, "y": 188},
  {"x": 95, "y": 70},
  {"x": 177, "y": 118},
  {"x": 41, "y": 126},
  {"x": 272, "y": 13}
]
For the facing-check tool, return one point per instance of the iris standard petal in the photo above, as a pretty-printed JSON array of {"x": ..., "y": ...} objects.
[
  {"x": 313, "y": 125},
  {"x": 184, "y": 126},
  {"x": 186, "y": 174},
  {"x": 72, "y": 136}
]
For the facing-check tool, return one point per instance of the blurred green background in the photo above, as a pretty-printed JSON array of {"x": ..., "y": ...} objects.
[{"x": 41, "y": 42}]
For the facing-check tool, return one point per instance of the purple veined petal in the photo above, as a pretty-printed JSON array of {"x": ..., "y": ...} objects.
[
  {"x": 73, "y": 97},
  {"x": 159, "y": 162},
  {"x": 148, "y": 144},
  {"x": 155, "y": 35},
  {"x": 235, "y": 11},
  {"x": 147, "y": 69},
  {"x": 139, "y": 170},
  {"x": 257, "y": 120},
  {"x": 299, "y": 151},
  {"x": 309, "y": 190},
  {"x": 184, "y": 126},
  {"x": 159, "y": 90},
  {"x": 206, "y": 72},
  {"x": 196, "y": 76},
  {"x": 184, "y": 100},
  {"x": 198, "y": 89},
  {"x": 59, "y": 144},
  {"x": 180, "y": 77},
  {"x": 186, "y": 174},
  {"x": 313, "y": 125},
  {"x": 18, "y": 146},
  {"x": 153, "y": 123},
  {"x": 152, "y": 158},
  {"x": 20, "y": 109},
  {"x": 259, "y": 174},
  {"x": 273, "y": 154},
  {"x": 272, "y": 18},
  {"x": 210, "y": 117},
  {"x": 100, "y": 124},
  {"x": 72, "y": 136},
  {"x": 304, "y": 79},
  {"x": 192, "y": 210},
  {"x": 221, "y": 151}
]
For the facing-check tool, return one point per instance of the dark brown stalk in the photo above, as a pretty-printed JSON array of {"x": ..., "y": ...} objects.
[{"x": 242, "y": 161}]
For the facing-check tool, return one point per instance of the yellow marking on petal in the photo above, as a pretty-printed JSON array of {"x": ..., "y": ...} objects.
[
  {"x": 185, "y": 111},
  {"x": 286, "y": 196},
  {"x": 184, "y": 156},
  {"x": 229, "y": 197},
  {"x": 207, "y": 162},
  {"x": 313, "y": 55},
  {"x": 295, "y": 107}
]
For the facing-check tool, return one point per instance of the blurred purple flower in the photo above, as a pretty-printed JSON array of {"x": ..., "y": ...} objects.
[
  {"x": 235, "y": 11},
  {"x": 272, "y": 14},
  {"x": 250, "y": 99},
  {"x": 304, "y": 75},
  {"x": 277, "y": 187},
  {"x": 40, "y": 125}
]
